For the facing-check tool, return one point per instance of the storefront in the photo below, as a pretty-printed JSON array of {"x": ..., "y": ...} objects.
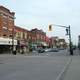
[
  {"x": 22, "y": 46},
  {"x": 42, "y": 45},
  {"x": 6, "y": 45}
]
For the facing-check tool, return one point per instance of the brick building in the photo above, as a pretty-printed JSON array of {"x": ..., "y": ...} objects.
[
  {"x": 6, "y": 22},
  {"x": 40, "y": 37},
  {"x": 6, "y": 29},
  {"x": 54, "y": 42},
  {"x": 62, "y": 43},
  {"x": 21, "y": 35}
]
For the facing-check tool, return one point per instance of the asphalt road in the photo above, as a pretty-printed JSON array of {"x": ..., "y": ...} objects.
[
  {"x": 59, "y": 53},
  {"x": 20, "y": 67}
]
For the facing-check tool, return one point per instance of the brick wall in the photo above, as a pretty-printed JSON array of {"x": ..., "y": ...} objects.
[{"x": 6, "y": 22}]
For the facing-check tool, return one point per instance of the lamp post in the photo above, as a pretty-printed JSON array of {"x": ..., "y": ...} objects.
[
  {"x": 13, "y": 39},
  {"x": 68, "y": 30},
  {"x": 13, "y": 30}
]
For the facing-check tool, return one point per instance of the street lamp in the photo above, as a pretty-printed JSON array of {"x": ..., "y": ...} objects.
[
  {"x": 68, "y": 30},
  {"x": 13, "y": 30}
]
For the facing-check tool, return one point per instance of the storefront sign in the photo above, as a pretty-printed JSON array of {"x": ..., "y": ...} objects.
[{"x": 7, "y": 41}]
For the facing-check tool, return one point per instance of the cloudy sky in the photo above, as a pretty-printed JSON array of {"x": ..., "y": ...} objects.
[{"x": 40, "y": 13}]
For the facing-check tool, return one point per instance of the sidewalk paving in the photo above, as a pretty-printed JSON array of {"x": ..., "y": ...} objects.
[{"x": 73, "y": 71}]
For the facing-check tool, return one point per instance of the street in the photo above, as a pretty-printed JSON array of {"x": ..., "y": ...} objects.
[
  {"x": 45, "y": 66},
  {"x": 59, "y": 53},
  {"x": 21, "y": 67}
]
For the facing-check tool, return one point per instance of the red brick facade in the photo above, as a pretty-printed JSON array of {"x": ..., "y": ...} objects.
[
  {"x": 39, "y": 34},
  {"x": 6, "y": 22}
]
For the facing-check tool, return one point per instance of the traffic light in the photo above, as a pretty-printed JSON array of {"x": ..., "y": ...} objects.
[
  {"x": 50, "y": 27},
  {"x": 67, "y": 31}
]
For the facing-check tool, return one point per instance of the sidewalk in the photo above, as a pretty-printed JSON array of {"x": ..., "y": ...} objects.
[
  {"x": 17, "y": 54},
  {"x": 73, "y": 71}
]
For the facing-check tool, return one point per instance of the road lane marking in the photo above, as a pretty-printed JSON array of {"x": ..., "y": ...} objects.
[{"x": 60, "y": 76}]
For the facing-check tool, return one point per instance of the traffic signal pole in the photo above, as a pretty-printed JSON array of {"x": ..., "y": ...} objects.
[
  {"x": 70, "y": 43},
  {"x": 69, "y": 34}
]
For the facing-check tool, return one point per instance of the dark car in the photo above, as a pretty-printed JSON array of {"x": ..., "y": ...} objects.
[{"x": 41, "y": 50}]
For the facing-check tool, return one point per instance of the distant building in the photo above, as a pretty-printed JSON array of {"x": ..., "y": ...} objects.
[
  {"x": 54, "y": 42},
  {"x": 62, "y": 43},
  {"x": 57, "y": 42},
  {"x": 40, "y": 36}
]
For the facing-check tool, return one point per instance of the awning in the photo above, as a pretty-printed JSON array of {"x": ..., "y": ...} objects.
[
  {"x": 7, "y": 41},
  {"x": 44, "y": 44}
]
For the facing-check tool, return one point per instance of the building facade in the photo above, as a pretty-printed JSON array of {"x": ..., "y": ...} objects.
[
  {"x": 22, "y": 39},
  {"x": 6, "y": 22},
  {"x": 54, "y": 42},
  {"x": 62, "y": 43},
  {"x": 40, "y": 37},
  {"x": 6, "y": 29}
]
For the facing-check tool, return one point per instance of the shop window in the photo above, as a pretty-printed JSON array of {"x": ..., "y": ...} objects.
[
  {"x": 4, "y": 35},
  {"x": 10, "y": 35}
]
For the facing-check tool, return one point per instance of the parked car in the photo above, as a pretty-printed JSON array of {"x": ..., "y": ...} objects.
[
  {"x": 61, "y": 48},
  {"x": 41, "y": 50},
  {"x": 47, "y": 50},
  {"x": 52, "y": 50}
]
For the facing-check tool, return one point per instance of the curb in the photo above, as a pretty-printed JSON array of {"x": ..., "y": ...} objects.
[{"x": 61, "y": 75}]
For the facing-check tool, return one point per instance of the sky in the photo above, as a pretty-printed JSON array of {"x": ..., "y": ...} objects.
[{"x": 41, "y": 13}]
